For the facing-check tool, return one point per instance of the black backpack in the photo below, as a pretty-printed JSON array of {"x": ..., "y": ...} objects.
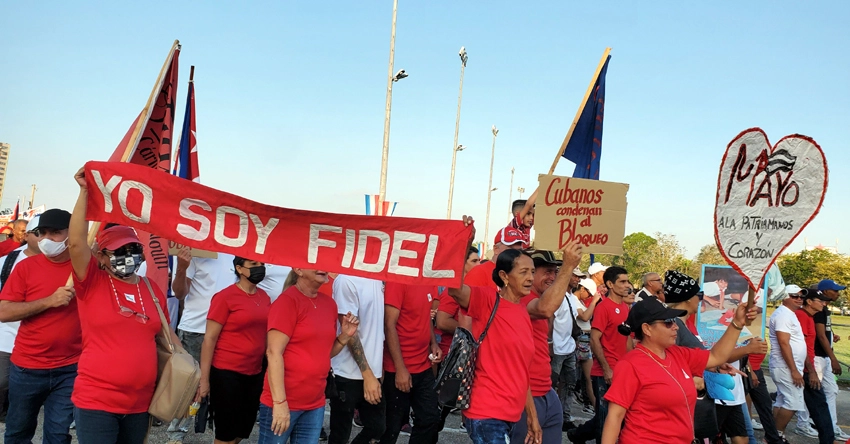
[
  {"x": 7, "y": 266},
  {"x": 454, "y": 382}
]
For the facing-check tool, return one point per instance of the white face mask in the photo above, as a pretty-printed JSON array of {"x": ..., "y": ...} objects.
[{"x": 52, "y": 248}]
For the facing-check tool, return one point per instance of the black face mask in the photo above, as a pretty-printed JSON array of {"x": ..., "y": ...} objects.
[{"x": 257, "y": 275}]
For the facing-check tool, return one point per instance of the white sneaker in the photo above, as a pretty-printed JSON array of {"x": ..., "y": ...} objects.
[
  {"x": 756, "y": 425},
  {"x": 841, "y": 436},
  {"x": 806, "y": 431}
]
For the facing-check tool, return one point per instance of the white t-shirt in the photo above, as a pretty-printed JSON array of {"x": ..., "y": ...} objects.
[
  {"x": 580, "y": 308},
  {"x": 737, "y": 392},
  {"x": 364, "y": 298},
  {"x": 562, "y": 327},
  {"x": 783, "y": 319},
  {"x": 273, "y": 282},
  {"x": 9, "y": 330}
]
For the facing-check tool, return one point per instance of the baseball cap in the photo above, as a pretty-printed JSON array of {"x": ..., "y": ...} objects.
[
  {"x": 817, "y": 295},
  {"x": 596, "y": 267},
  {"x": 646, "y": 311},
  {"x": 829, "y": 284},
  {"x": 541, "y": 257},
  {"x": 508, "y": 236},
  {"x": 577, "y": 271},
  {"x": 33, "y": 223},
  {"x": 589, "y": 285},
  {"x": 116, "y": 237},
  {"x": 54, "y": 218},
  {"x": 793, "y": 289}
]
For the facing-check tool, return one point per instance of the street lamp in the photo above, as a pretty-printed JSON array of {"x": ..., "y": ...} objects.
[
  {"x": 521, "y": 190},
  {"x": 511, "y": 194},
  {"x": 490, "y": 188},
  {"x": 463, "y": 58},
  {"x": 382, "y": 189}
]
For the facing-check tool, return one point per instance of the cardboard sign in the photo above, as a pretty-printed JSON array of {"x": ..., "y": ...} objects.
[
  {"x": 591, "y": 212},
  {"x": 766, "y": 195},
  {"x": 174, "y": 249}
]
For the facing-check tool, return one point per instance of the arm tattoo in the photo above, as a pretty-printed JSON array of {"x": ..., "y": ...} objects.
[{"x": 357, "y": 352}]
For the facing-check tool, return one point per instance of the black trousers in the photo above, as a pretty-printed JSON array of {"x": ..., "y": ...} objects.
[
  {"x": 764, "y": 407},
  {"x": 426, "y": 411},
  {"x": 342, "y": 412},
  {"x": 819, "y": 412}
]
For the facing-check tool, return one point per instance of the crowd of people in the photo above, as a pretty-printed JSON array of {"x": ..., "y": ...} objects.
[{"x": 276, "y": 345}]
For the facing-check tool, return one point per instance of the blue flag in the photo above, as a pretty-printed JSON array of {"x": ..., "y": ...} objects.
[{"x": 585, "y": 146}]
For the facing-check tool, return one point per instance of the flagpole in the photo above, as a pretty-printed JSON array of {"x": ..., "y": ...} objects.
[
  {"x": 580, "y": 108},
  {"x": 140, "y": 123}
]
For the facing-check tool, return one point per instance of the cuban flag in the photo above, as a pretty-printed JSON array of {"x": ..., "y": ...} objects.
[
  {"x": 376, "y": 207},
  {"x": 585, "y": 145},
  {"x": 17, "y": 213},
  {"x": 186, "y": 163}
]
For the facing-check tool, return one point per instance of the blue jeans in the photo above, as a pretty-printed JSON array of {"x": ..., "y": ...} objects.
[
  {"x": 99, "y": 427},
  {"x": 549, "y": 415},
  {"x": 304, "y": 426},
  {"x": 29, "y": 390},
  {"x": 749, "y": 422},
  {"x": 488, "y": 431}
]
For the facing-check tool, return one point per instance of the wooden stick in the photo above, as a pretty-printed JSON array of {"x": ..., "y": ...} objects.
[
  {"x": 192, "y": 74},
  {"x": 751, "y": 296},
  {"x": 580, "y": 108}
]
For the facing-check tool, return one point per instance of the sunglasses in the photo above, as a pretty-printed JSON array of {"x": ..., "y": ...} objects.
[
  {"x": 129, "y": 249},
  {"x": 669, "y": 323},
  {"x": 795, "y": 296}
]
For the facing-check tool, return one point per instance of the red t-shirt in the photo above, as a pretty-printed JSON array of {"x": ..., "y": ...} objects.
[
  {"x": 481, "y": 276},
  {"x": 540, "y": 373},
  {"x": 807, "y": 322},
  {"x": 519, "y": 226},
  {"x": 52, "y": 338},
  {"x": 607, "y": 316},
  {"x": 691, "y": 323},
  {"x": 117, "y": 371},
  {"x": 652, "y": 395},
  {"x": 756, "y": 359},
  {"x": 413, "y": 326},
  {"x": 311, "y": 327},
  {"x": 241, "y": 344},
  {"x": 448, "y": 305},
  {"x": 7, "y": 246},
  {"x": 501, "y": 372}
]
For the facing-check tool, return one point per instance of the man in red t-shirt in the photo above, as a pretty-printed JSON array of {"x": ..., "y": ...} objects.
[
  {"x": 482, "y": 275},
  {"x": 16, "y": 237},
  {"x": 608, "y": 346},
  {"x": 49, "y": 341},
  {"x": 409, "y": 351}
]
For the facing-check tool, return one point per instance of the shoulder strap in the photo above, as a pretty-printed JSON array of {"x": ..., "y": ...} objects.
[
  {"x": 569, "y": 304},
  {"x": 490, "y": 321},
  {"x": 166, "y": 329},
  {"x": 7, "y": 266}
]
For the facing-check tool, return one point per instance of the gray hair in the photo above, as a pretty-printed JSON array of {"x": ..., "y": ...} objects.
[{"x": 645, "y": 278}]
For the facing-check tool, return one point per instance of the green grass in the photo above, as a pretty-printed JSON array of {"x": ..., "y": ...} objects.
[{"x": 841, "y": 327}]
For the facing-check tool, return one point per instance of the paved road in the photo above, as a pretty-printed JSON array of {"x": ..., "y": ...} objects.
[{"x": 452, "y": 434}]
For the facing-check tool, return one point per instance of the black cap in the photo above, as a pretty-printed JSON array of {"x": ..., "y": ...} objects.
[
  {"x": 679, "y": 287},
  {"x": 646, "y": 311},
  {"x": 816, "y": 294},
  {"x": 546, "y": 257},
  {"x": 54, "y": 218}
]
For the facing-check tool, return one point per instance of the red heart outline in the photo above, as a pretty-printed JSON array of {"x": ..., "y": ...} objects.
[{"x": 802, "y": 227}]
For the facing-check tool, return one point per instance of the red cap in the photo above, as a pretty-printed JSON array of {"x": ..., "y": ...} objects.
[
  {"x": 508, "y": 236},
  {"x": 116, "y": 237}
]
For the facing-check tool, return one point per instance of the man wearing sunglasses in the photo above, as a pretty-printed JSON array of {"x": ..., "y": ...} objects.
[
  {"x": 49, "y": 341},
  {"x": 787, "y": 357}
]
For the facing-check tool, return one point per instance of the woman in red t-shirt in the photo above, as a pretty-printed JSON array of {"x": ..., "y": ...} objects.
[
  {"x": 653, "y": 383},
  {"x": 501, "y": 386},
  {"x": 119, "y": 317},
  {"x": 232, "y": 352},
  {"x": 302, "y": 338}
]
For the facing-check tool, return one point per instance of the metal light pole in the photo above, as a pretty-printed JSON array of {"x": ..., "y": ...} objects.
[
  {"x": 390, "y": 79},
  {"x": 521, "y": 190},
  {"x": 463, "y": 58},
  {"x": 511, "y": 195},
  {"x": 490, "y": 186}
]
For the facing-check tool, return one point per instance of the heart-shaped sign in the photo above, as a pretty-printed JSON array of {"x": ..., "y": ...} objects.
[{"x": 766, "y": 195}]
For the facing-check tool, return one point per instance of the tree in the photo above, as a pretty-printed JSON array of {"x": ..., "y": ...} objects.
[{"x": 809, "y": 267}]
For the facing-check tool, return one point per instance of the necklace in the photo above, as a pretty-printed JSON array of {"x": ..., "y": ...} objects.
[
  {"x": 250, "y": 296},
  {"x": 311, "y": 299},
  {"x": 651, "y": 355}
]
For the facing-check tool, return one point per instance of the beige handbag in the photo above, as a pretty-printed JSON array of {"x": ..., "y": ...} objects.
[{"x": 178, "y": 375}]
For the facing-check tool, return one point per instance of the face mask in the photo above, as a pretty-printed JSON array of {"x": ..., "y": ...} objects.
[
  {"x": 124, "y": 266},
  {"x": 52, "y": 248},
  {"x": 257, "y": 275}
]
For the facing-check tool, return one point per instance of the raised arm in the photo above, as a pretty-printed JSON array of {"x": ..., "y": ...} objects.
[
  {"x": 544, "y": 306},
  {"x": 179, "y": 282},
  {"x": 78, "y": 230},
  {"x": 722, "y": 350},
  {"x": 587, "y": 313}
]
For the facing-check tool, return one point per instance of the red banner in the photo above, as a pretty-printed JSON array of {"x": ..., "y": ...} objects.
[
  {"x": 153, "y": 149},
  {"x": 413, "y": 251}
]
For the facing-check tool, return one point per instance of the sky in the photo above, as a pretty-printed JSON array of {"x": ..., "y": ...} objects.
[{"x": 290, "y": 97}]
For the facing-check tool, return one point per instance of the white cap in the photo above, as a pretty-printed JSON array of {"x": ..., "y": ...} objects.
[
  {"x": 792, "y": 289},
  {"x": 589, "y": 285},
  {"x": 596, "y": 267},
  {"x": 711, "y": 289},
  {"x": 577, "y": 272},
  {"x": 33, "y": 223}
]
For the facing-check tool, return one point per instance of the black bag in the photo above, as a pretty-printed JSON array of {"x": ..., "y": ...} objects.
[
  {"x": 203, "y": 416},
  {"x": 454, "y": 382},
  {"x": 331, "y": 391},
  {"x": 705, "y": 418},
  {"x": 7, "y": 266},
  {"x": 577, "y": 331}
]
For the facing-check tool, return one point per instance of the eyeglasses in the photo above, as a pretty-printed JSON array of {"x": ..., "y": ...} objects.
[
  {"x": 127, "y": 312},
  {"x": 669, "y": 323},
  {"x": 795, "y": 296}
]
